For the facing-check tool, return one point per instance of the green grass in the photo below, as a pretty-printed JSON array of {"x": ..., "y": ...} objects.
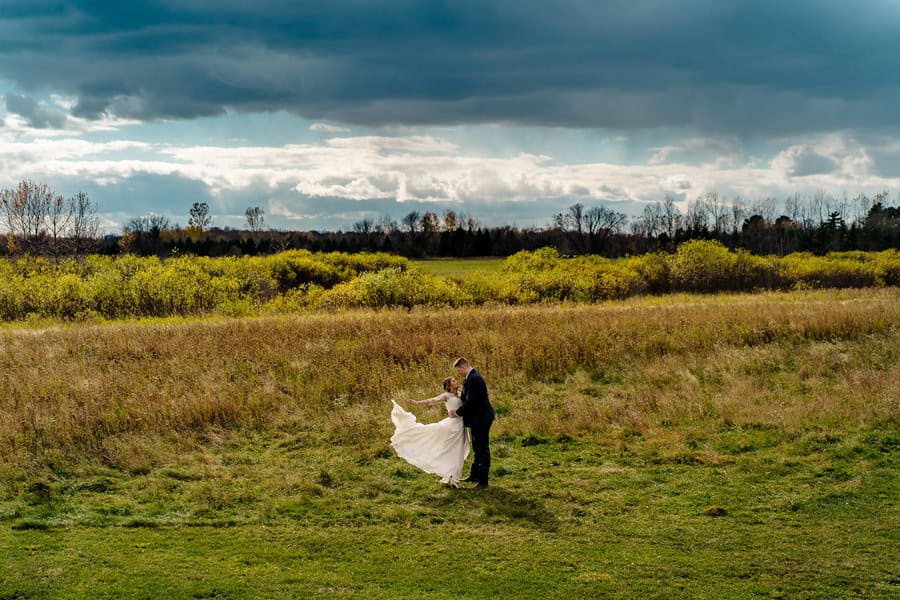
[
  {"x": 742, "y": 512},
  {"x": 739, "y": 447},
  {"x": 458, "y": 267}
]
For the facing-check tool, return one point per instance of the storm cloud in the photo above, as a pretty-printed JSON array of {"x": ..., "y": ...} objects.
[
  {"x": 746, "y": 68},
  {"x": 35, "y": 115}
]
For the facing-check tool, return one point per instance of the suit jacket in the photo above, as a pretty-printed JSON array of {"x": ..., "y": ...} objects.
[{"x": 476, "y": 409}]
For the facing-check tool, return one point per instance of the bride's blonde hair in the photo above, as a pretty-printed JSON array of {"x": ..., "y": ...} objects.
[{"x": 447, "y": 384}]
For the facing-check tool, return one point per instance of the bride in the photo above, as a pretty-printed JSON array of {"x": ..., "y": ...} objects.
[{"x": 439, "y": 448}]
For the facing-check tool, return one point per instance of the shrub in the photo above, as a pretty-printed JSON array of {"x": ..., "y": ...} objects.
[
  {"x": 116, "y": 287},
  {"x": 394, "y": 287},
  {"x": 702, "y": 266},
  {"x": 654, "y": 271},
  {"x": 803, "y": 270}
]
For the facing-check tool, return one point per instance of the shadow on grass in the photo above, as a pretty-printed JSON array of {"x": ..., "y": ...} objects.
[{"x": 501, "y": 504}]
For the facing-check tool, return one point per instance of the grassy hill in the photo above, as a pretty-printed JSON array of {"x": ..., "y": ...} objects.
[{"x": 680, "y": 446}]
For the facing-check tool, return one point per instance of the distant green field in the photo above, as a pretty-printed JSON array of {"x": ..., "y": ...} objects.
[{"x": 458, "y": 266}]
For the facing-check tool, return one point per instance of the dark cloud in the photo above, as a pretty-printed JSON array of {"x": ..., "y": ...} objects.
[
  {"x": 803, "y": 160},
  {"x": 36, "y": 115},
  {"x": 746, "y": 67}
]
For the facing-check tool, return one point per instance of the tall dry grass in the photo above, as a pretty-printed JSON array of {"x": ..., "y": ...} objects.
[{"x": 788, "y": 359}]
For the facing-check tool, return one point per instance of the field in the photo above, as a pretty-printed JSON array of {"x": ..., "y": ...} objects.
[
  {"x": 693, "y": 446},
  {"x": 459, "y": 267}
]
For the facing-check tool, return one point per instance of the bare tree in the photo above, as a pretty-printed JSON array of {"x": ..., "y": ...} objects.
[
  {"x": 364, "y": 226},
  {"x": 158, "y": 224},
  {"x": 151, "y": 225},
  {"x": 821, "y": 203},
  {"x": 411, "y": 222},
  {"x": 793, "y": 207},
  {"x": 697, "y": 217},
  {"x": 13, "y": 210},
  {"x": 199, "y": 216},
  {"x": 650, "y": 223},
  {"x": 386, "y": 225},
  {"x": 37, "y": 220},
  {"x": 841, "y": 205},
  {"x": 145, "y": 232},
  {"x": 601, "y": 223},
  {"x": 25, "y": 211},
  {"x": 738, "y": 214},
  {"x": 37, "y": 198},
  {"x": 764, "y": 207},
  {"x": 255, "y": 218},
  {"x": 717, "y": 210},
  {"x": 671, "y": 216},
  {"x": 640, "y": 227},
  {"x": 863, "y": 204},
  {"x": 572, "y": 224},
  {"x": 572, "y": 219},
  {"x": 469, "y": 223},
  {"x": 58, "y": 218},
  {"x": 587, "y": 229},
  {"x": 85, "y": 225}
]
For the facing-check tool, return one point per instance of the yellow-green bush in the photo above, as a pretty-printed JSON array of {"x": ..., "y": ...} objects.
[
  {"x": 701, "y": 266},
  {"x": 115, "y": 287},
  {"x": 395, "y": 287},
  {"x": 653, "y": 269},
  {"x": 129, "y": 286},
  {"x": 887, "y": 268},
  {"x": 803, "y": 270},
  {"x": 545, "y": 276},
  {"x": 617, "y": 282}
]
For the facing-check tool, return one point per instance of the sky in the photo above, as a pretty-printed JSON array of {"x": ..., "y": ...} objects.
[{"x": 326, "y": 113}]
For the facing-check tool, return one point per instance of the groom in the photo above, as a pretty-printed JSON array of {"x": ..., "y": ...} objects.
[{"x": 478, "y": 415}]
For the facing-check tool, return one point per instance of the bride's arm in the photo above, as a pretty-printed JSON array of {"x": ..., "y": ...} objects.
[{"x": 435, "y": 400}]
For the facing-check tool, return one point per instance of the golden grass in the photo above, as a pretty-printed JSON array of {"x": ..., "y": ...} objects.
[{"x": 789, "y": 360}]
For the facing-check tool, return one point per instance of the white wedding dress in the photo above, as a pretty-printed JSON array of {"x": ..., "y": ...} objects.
[{"x": 439, "y": 448}]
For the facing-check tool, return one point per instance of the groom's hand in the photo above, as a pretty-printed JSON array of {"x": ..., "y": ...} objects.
[{"x": 453, "y": 414}]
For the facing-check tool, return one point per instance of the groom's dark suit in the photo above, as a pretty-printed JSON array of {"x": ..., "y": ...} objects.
[{"x": 478, "y": 415}]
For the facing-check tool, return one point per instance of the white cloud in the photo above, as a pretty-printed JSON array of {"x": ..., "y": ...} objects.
[
  {"x": 17, "y": 126},
  {"x": 834, "y": 154},
  {"x": 802, "y": 160},
  {"x": 66, "y": 103},
  {"x": 425, "y": 168},
  {"x": 718, "y": 152}
]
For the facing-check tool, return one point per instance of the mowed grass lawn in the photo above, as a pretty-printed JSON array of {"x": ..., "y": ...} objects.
[{"x": 716, "y": 447}]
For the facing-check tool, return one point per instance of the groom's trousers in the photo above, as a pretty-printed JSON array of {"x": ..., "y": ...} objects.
[{"x": 481, "y": 465}]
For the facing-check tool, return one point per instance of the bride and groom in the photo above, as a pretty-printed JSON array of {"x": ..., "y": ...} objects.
[{"x": 441, "y": 448}]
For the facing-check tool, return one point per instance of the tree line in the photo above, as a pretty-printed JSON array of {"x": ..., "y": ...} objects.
[{"x": 37, "y": 221}]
